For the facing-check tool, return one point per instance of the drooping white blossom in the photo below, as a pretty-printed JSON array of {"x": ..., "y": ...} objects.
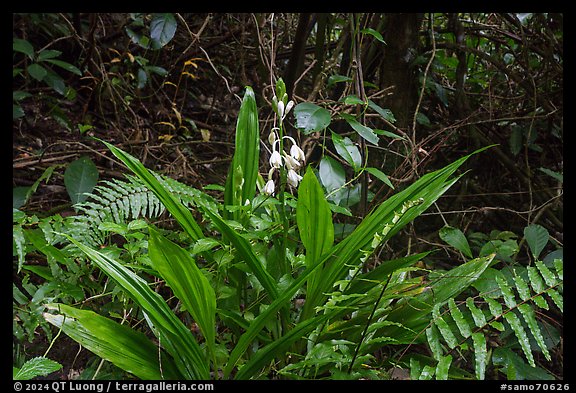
[{"x": 293, "y": 178}]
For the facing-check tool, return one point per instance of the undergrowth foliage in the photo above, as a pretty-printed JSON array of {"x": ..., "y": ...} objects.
[{"x": 263, "y": 288}]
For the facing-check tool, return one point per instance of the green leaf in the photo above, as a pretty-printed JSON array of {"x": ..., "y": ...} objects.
[
  {"x": 362, "y": 130},
  {"x": 80, "y": 178},
  {"x": 515, "y": 368},
  {"x": 333, "y": 79},
  {"x": 173, "y": 204},
  {"x": 455, "y": 238},
  {"x": 458, "y": 317},
  {"x": 480, "y": 355},
  {"x": 331, "y": 174},
  {"x": 537, "y": 237},
  {"x": 67, "y": 66},
  {"x": 311, "y": 118},
  {"x": 443, "y": 367},
  {"x": 174, "y": 336},
  {"x": 434, "y": 341},
  {"x": 352, "y": 100},
  {"x": 17, "y": 112},
  {"x": 521, "y": 335},
  {"x": 48, "y": 54},
  {"x": 555, "y": 175},
  {"x": 23, "y": 46},
  {"x": 121, "y": 345},
  {"x": 385, "y": 113},
  {"x": 243, "y": 171},
  {"x": 162, "y": 29},
  {"x": 477, "y": 314},
  {"x": 348, "y": 151},
  {"x": 443, "y": 327},
  {"x": 373, "y": 33},
  {"x": 380, "y": 175},
  {"x": 314, "y": 220},
  {"x": 37, "y": 72},
  {"x": 187, "y": 281},
  {"x": 530, "y": 318},
  {"x": 35, "y": 367}
]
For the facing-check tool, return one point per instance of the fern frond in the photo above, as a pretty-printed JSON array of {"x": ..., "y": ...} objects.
[{"x": 475, "y": 319}]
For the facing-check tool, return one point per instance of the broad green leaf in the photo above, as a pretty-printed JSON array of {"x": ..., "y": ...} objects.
[
  {"x": 429, "y": 187},
  {"x": 521, "y": 335},
  {"x": 48, "y": 54},
  {"x": 243, "y": 172},
  {"x": 458, "y": 317},
  {"x": 175, "y": 337},
  {"x": 333, "y": 79},
  {"x": 311, "y": 118},
  {"x": 162, "y": 29},
  {"x": 373, "y": 33},
  {"x": 385, "y": 113},
  {"x": 187, "y": 281},
  {"x": 121, "y": 345},
  {"x": 480, "y": 355},
  {"x": 348, "y": 151},
  {"x": 515, "y": 368},
  {"x": 23, "y": 46},
  {"x": 67, "y": 66},
  {"x": 80, "y": 178},
  {"x": 537, "y": 237},
  {"x": 352, "y": 100},
  {"x": 380, "y": 175},
  {"x": 35, "y": 367},
  {"x": 331, "y": 174},
  {"x": 314, "y": 220},
  {"x": 17, "y": 112},
  {"x": 173, "y": 205},
  {"x": 361, "y": 129},
  {"x": 37, "y": 72},
  {"x": 455, "y": 238}
]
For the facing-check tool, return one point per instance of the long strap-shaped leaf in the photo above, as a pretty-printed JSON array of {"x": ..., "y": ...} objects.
[
  {"x": 127, "y": 348},
  {"x": 187, "y": 281},
  {"x": 241, "y": 180},
  {"x": 173, "y": 334},
  {"x": 174, "y": 206},
  {"x": 348, "y": 252}
]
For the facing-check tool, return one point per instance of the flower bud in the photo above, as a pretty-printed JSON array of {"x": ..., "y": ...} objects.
[
  {"x": 270, "y": 187},
  {"x": 291, "y": 163},
  {"x": 280, "y": 109}
]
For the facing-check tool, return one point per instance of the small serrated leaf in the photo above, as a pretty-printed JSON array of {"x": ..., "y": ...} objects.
[
  {"x": 434, "y": 341},
  {"x": 39, "y": 366},
  {"x": 521, "y": 335},
  {"x": 443, "y": 367},
  {"x": 530, "y": 319},
  {"x": 477, "y": 314},
  {"x": 480, "y": 355},
  {"x": 458, "y": 317},
  {"x": 444, "y": 328}
]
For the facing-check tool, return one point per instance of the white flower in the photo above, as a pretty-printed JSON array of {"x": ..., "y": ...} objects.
[
  {"x": 293, "y": 178},
  {"x": 297, "y": 153},
  {"x": 270, "y": 187},
  {"x": 272, "y": 138},
  {"x": 275, "y": 159},
  {"x": 291, "y": 163}
]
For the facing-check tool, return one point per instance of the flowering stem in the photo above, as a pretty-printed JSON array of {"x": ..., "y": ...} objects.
[{"x": 284, "y": 218}]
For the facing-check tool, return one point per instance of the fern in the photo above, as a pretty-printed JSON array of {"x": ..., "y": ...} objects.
[
  {"x": 458, "y": 327},
  {"x": 119, "y": 201}
]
